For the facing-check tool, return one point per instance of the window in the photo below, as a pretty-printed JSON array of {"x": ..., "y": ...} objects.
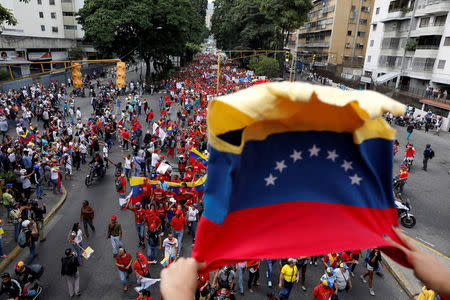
[
  {"x": 349, "y": 33},
  {"x": 39, "y": 2},
  {"x": 369, "y": 58},
  {"x": 351, "y": 21},
  {"x": 424, "y": 22},
  {"x": 353, "y": 8},
  {"x": 365, "y": 8},
  {"x": 42, "y": 27},
  {"x": 66, "y": 1},
  {"x": 347, "y": 45},
  {"x": 53, "y": 15},
  {"x": 361, "y": 33},
  {"x": 54, "y": 29},
  {"x": 440, "y": 20},
  {"x": 374, "y": 28},
  {"x": 377, "y": 11},
  {"x": 359, "y": 46},
  {"x": 363, "y": 21},
  {"x": 447, "y": 41},
  {"x": 441, "y": 64},
  {"x": 51, "y": 2},
  {"x": 371, "y": 43},
  {"x": 41, "y": 15},
  {"x": 68, "y": 13},
  {"x": 70, "y": 27}
]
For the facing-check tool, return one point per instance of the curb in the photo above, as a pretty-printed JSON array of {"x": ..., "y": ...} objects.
[
  {"x": 16, "y": 251},
  {"x": 398, "y": 275}
]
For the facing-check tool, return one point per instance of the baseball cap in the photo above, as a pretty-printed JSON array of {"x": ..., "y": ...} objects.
[
  {"x": 178, "y": 212},
  {"x": 151, "y": 211},
  {"x": 344, "y": 265},
  {"x": 145, "y": 178},
  {"x": 325, "y": 283},
  {"x": 113, "y": 217},
  {"x": 153, "y": 226},
  {"x": 140, "y": 255},
  {"x": 330, "y": 270},
  {"x": 25, "y": 223},
  {"x": 172, "y": 200},
  {"x": 19, "y": 264},
  {"x": 138, "y": 203}
]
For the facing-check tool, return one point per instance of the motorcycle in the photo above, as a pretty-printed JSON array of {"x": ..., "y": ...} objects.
[
  {"x": 408, "y": 161},
  {"x": 223, "y": 294},
  {"x": 94, "y": 172},
  {"x": 397, "y": 182},
  {"x": 33, "y": 283},
  {"x": 407, "y": 219}
]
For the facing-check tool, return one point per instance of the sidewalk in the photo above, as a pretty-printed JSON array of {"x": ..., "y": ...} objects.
[{"x": 405, "y": 277}]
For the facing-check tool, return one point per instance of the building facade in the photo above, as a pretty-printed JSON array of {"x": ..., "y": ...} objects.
[
  {"x": 409, "y": 44},
  {"x": 46, "y": 31},
  {"x": 336, "y": 33}
]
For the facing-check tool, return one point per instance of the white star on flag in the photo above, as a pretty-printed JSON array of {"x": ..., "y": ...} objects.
[
  {"x": 347, "y": 165},
  {"x": 280, "y": 166},
  {"x": 332, "y": 155},
  {"x": 314, "y": 151},
  {"x": 270, "y": 180},
  {"x": 355, "y": 179},
  {"x": 296, "y": 155}
]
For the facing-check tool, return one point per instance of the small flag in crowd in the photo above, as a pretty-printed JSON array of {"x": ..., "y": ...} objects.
[
  {"x": 26, "y": 137},
  {"x": 166, "y": 261},
  {"x": 290, "y": 160},
  {"x": 195, "y": 154}
]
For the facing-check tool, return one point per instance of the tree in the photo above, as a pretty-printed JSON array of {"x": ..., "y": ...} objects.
[
  {"x": 287, "y": 15},
  {"x": 265, "y": 66},
  {"x": 77, "y": 53},
  {"x": 256, "y": 24},
  {"x": 151, "y": 30},
  {"x": 6, "y": 16}
]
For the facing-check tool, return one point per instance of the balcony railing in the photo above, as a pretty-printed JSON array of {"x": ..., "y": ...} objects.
[{"x": 427, "y": 47}]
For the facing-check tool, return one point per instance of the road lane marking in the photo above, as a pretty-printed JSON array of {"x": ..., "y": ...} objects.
[
  {"x": 429, "y": 248},
  {"x": 430, "y": 244}
]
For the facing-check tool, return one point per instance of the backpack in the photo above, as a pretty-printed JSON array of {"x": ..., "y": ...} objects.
[
  {"x": 22, "y": 239},
  {"x": 118, "y": 185}
]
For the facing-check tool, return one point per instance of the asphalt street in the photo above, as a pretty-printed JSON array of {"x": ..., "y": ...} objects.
[
  {"x": 99, "y": 277},
  {"x": 428, "y": 192}
]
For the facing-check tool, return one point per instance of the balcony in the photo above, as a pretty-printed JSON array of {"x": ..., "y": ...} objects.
[
  {"x": 314, "y": 45},
  {"x": 428, "y": 30},
  {"x": 431, "y": 7}
]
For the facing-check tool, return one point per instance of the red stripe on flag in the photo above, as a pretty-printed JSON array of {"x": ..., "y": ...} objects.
[{"x": 294, "y": 229}]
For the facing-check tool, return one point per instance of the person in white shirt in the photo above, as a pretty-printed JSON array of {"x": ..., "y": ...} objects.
[
  {"x": 192, "y": 218},
  {"x": 170, "y": 245},
  {"x": 155, "y": 159},
  {"x": 54, "y": 174},
  {"x": 343, "y": 278}
]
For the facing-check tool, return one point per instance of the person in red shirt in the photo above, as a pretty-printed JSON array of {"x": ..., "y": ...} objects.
[
  {"x": 140, "y": 267},
  {"x": 176, "y": 179},
  {"x": 150, "y": 115},
  {"x": 158, "y": 195},
  {"x": 410, "y": 151},
  {"x": 123, "y": 186},
  {"x": 322, "y": 291},
  {"x": 123, "y": 262},
  {"x": 139, "y": 219},
  {"x": 153, "y": 218},
  {"x": 161, "y": 212},
  {"x": 147, "y": 191},
  {"x": 202, "y": 285},
  {"x": 144, "y": 295},
  {"x": 125, "y": 138},
  {"x": 183, "y": 194},
  {"x": 351, "y": 258},
  {"x": 177, "y": 224},
  {"x": 189, "y": 175},
  {"x": 170, "y": 194}
]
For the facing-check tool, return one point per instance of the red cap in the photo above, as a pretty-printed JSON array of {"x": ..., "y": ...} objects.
[
  {"x": 113, "y": 217},
  {"x": 178, "y": 212},
  {"x": 153, "y": 226},
  {"x": 151, "y": 211},
  {"x": 140, "y": 255},
  {"x": 145, "y": 178}
]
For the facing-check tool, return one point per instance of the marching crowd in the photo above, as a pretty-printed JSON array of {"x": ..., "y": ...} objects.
[{"x": 52, "y": 141}]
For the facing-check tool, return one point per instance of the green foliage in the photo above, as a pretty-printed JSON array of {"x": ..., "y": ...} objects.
[
  {"x": 77, "y": 53},
  {"x": 151, "y": 29},
  {"x": 265, "y": 66},
  {"x": 6, "y": 16},
  {"x": 8, "y": 177},
  {"x": 256, "y": 24},
  {"x": 411, "y": 45},
  {"x": 4, "y": 75}
]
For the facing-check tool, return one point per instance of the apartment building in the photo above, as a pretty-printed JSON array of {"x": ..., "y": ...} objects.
[
  {"x": 336, "y": 33},
  {"x": 46, "y": 31},
  {"x": 409, "y": 44}
]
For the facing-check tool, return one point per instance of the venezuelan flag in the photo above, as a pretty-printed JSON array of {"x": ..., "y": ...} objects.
[
  {"x": 136, "y": 189},
  {"x": 26, "y": 137},
  {"x": 166, "y": 261},
  {"x": 305, "y": 169},
  {"x": 195, "y": 154}
]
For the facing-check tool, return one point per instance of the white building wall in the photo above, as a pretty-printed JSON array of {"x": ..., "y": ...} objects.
[{"x": 30, "y": 22}]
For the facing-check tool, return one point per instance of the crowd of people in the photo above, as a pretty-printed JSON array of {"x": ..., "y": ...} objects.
[{"x": 52, "y": 140}]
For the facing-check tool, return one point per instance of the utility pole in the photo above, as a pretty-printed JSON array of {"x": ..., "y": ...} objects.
[
  {"x": 295, "y": 56},
  {"x": 411, "y": 20}
]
